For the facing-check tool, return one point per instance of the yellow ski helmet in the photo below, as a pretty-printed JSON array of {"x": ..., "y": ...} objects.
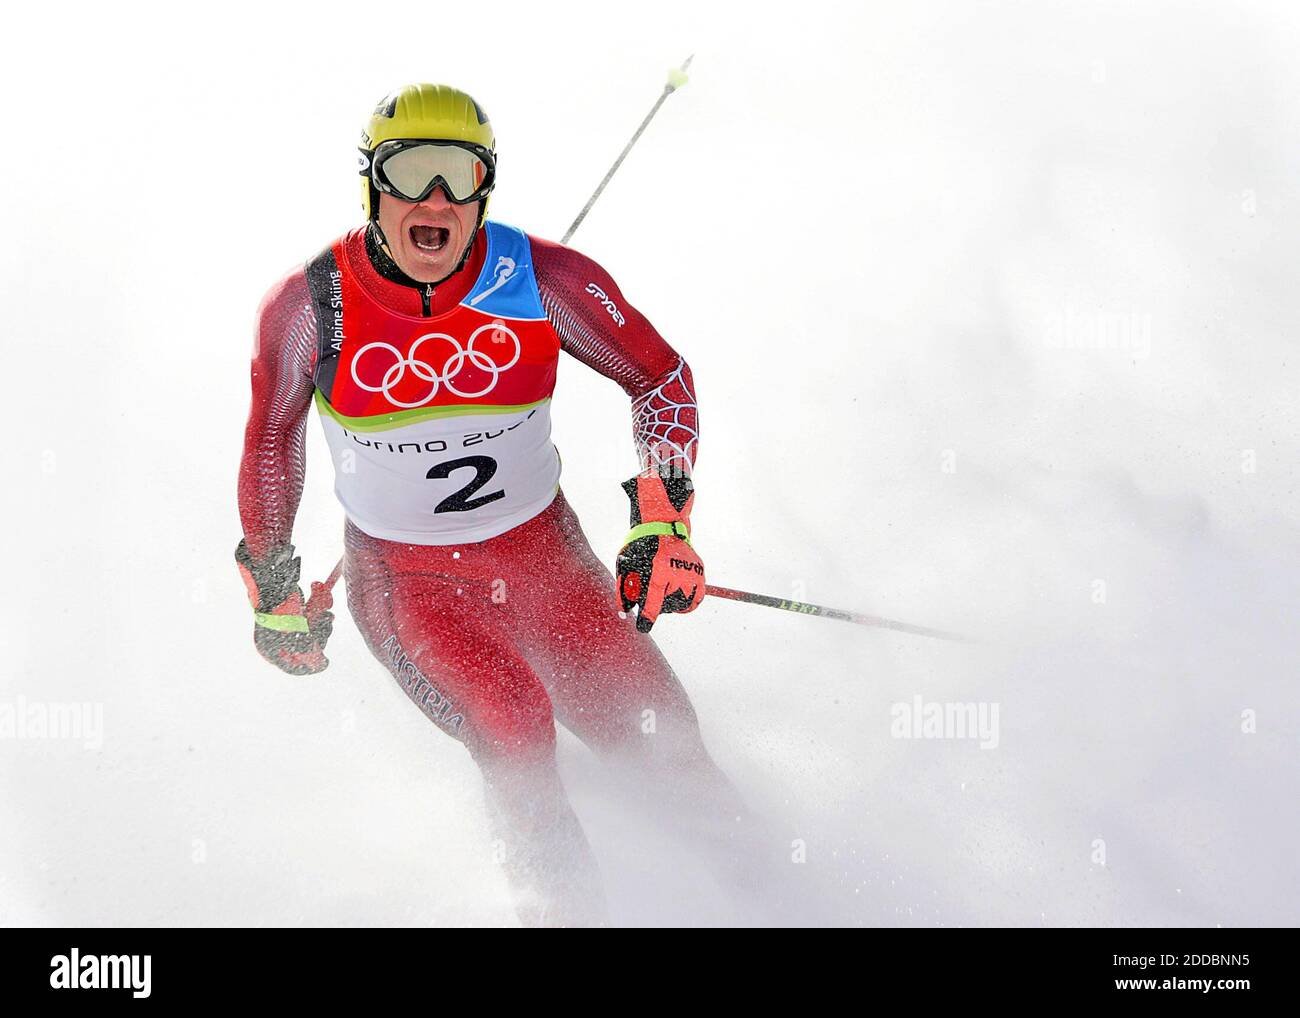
[{"x": 427, "y": 113}]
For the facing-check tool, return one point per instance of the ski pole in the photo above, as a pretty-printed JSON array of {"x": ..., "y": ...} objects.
[
  {"x": 334, "y": 575},
  {"x": 857, "y": 618},
  {"x": 768, "y": 601},
  {"x": 676, "y": 79}
]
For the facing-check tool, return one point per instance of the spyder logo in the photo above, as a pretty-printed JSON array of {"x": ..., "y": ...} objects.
[{"x": 610, "y": 306}]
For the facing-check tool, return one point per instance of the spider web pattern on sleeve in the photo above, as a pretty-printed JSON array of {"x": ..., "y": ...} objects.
[
  {"x": 598, "y": 326},
  {"x": 665, "y": 424}
]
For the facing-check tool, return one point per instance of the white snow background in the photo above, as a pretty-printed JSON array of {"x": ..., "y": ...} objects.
[{"x": 992, "y": 314}]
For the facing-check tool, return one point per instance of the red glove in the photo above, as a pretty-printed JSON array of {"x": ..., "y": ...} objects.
[
  {"x": 657, "y": 570},
  {"x": 287, "y": 631}
]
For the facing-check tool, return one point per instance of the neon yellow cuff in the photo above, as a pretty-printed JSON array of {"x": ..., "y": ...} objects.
[
  {"x": 656, "y": 529},
  {"x": 281, "y": 623}
]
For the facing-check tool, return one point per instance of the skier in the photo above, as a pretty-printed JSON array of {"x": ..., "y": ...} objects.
[{"x": 429, "y": 340}]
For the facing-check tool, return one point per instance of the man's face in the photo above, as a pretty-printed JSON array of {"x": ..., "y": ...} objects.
[{"x": 427, "y": 238}]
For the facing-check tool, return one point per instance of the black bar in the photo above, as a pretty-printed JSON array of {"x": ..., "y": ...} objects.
[{"x": 895, "y": 968}]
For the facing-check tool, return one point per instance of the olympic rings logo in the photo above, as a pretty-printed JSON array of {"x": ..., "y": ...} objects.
[{"x": 451, "y": 367}]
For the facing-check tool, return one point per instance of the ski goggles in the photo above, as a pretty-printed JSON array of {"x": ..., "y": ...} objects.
[{"x": 410, "y": 169}]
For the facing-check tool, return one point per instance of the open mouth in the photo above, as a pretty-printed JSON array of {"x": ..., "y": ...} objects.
[{"x": 429, "y": 239}]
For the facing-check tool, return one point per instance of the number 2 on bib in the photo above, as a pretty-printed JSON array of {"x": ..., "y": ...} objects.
[{"x": 484, "y": 468}]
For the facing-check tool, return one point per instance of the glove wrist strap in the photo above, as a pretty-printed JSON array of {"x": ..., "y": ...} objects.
[
  {"x": 656, "y": 529},
  {"x": 282, "y": 623}
]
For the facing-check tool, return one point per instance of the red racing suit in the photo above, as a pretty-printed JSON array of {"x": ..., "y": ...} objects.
[{"x": 467, "y": 572}]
